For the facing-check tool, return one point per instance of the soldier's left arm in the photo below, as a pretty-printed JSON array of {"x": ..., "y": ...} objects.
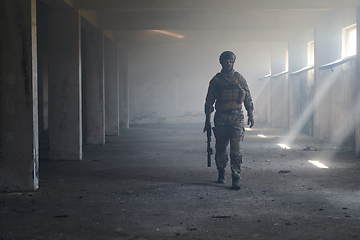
[{"x": 248, "y": 103}]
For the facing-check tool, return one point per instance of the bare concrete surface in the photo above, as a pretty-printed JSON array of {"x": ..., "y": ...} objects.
[{"x": 152, "y": 182}]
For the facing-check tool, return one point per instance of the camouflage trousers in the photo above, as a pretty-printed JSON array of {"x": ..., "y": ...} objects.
[{"x": 229, "y": 128}]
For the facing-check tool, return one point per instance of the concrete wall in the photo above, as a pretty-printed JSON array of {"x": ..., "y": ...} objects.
[
  {"x": 169, "y": 81},
  {"x": 279, "y": 106},
  {"x": 297, "y": 61},
  {"x": 261, "y": 89},
  {"x": 279, "y": 86},
  {"x": 334, "y": 91},
  {"x": 325, "y": 39},
  {"x": 301, "y": 101},
  {"x": 323, "y": 103},
  {"x": 341, "y": 104},
  {"x": 262, "y": 99}
]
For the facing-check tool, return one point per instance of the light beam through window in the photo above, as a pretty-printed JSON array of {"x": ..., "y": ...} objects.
[{"x": 318, "y": 164}]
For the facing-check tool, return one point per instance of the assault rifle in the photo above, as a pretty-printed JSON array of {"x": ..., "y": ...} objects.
[{"x": 207, "y": 128}]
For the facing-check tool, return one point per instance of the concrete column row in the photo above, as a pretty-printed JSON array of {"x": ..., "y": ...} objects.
[
  {"x": 323, "y": 104},
  {"x": 81, "y": 76},
  {"x": 308, "y": 103}
]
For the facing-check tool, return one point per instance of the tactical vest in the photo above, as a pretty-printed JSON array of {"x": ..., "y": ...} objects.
[{"x": 229, "y": 91}]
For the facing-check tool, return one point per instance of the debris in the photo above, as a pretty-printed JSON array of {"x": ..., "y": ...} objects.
[
  {"x": 24, "y": 210},
  {"x": 121, "y": 232},
  {"x": 191, "y": 229},
  {"x": 309, "y": 148},
  {"x": 61, "y": 216},
  {"x": 221, "y": 216},
  {"x": 284, "y": 171}
]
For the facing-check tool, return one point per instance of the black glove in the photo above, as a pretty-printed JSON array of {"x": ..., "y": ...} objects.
[
  {"x": 207, "y": 126},
  {"x": 251, "y": 120}
]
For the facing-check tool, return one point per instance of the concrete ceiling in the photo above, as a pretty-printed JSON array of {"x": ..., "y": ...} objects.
[
  {"x": 214, "y": 4},
  {"x": 206, "y": 20}
]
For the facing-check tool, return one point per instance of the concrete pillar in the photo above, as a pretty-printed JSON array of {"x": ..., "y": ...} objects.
[
  {"x": 268, "y": 100},
  {"x": 124, "y": 90},
  {"x": 111, "y": 88},
  {"x": 297, "y": 60},
  {"x": 19, "y": 139},
  {"x": 93, "y": 84},
  {"x": 278, "y": 86},
  {"x": 325, "y": 39},
  {"x": 65, "y": 124},
  {"x": 42, "y": 56},
  {"x": 297, "y": 53},
  {"x": 357, "y": 86}
]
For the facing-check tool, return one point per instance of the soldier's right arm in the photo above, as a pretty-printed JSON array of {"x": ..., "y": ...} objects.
[
  {"x": 209, "y": 102},
  {"x": 210, "y": 97}
]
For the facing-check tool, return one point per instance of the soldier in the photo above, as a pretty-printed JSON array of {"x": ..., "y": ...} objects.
[{"x": 228, "y": 90}]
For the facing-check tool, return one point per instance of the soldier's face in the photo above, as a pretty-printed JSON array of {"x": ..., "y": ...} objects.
[{"x": 228, "y": 64}]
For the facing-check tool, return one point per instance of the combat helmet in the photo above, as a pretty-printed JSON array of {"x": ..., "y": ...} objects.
[{"x": 226, "y": 56}]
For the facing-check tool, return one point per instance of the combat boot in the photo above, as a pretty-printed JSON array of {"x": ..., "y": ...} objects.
[
  {"x": 236, "y": 183},
  {"x": 221, "y": 175}
]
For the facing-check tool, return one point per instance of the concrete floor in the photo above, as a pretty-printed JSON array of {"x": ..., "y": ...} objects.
[{"x": 152, "y": 182}]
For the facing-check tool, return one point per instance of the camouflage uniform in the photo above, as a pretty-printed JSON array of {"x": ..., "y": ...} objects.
[{"x": 230, "y": 91}]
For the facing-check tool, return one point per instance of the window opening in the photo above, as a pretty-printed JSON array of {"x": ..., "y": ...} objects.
[
  {"x": 311, "y": 55},
  {"x": 349, "y": 41}
]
